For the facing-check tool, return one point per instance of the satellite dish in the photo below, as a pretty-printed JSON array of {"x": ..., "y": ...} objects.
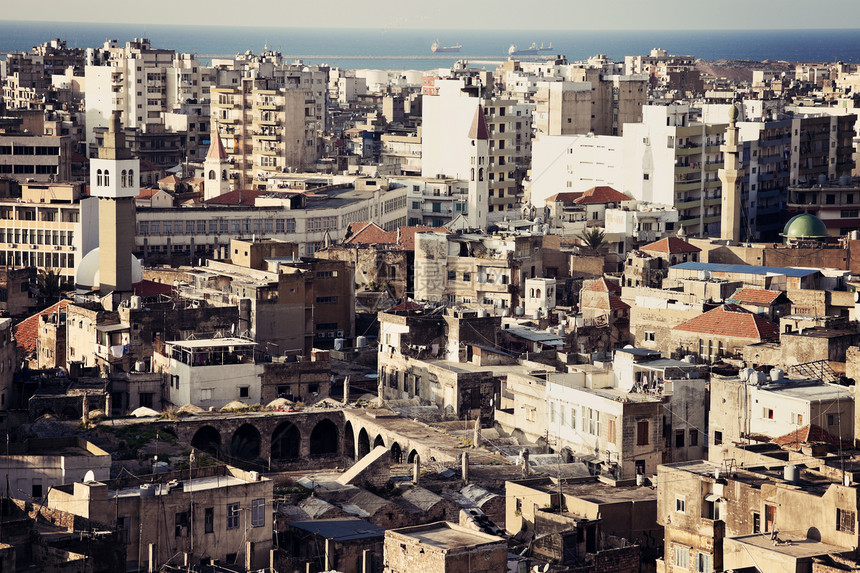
[{"x": 89, "y": 477}]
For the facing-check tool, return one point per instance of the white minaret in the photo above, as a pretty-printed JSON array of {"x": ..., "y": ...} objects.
[
  {"x": 115, "y": 180},
  {"x": 479, "y": 187},
  {"x": 730, "y": 177},
  {"x": 215, "y": 168}
]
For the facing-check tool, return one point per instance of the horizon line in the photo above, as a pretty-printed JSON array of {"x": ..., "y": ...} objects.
[{"x": 408, "y": 29}]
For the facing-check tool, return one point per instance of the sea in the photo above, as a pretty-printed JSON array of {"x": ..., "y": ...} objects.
[{"x": 402, "y": 49}]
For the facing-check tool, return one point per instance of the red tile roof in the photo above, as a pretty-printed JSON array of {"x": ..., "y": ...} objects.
[
  {"x": 757, "y": 296},
  {"x": 731, "y": 320},
  {"x": 237, "y": 197},
  {"x": 671, "y": 245},
  {"x": 407, "y": 305},
  {"x": 147, "y": 288},
  {"x": 147, "y": 193},
  {"x": 369, "y": 234},
  {"x": 406, "y": 235},
  {"x": 810, "y": 434},
  {"x": 609, "y": 302},
  {"x": 603, "y": 285},
  {"x": 601, "y": 194},
  {"x": 27, "y": 331},
  {"x": 567, "y": 197}
]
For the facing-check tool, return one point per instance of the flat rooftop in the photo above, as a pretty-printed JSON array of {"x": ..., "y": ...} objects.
[
  {"x": 792, "y": 545},
  {"x": 745, "y": 269},
  {"x": 212, "y": 343},
  {"x": 197, "y": 485},
  {"x": 448, "y": 536}
]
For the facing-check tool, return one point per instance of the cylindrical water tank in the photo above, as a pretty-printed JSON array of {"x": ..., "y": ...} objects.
[
  {"x": 790, "y": 473},
  {"x": 361, "y": 342},
  {"x": 640, "y": 479},
  {"x": 147, "y": 490}
]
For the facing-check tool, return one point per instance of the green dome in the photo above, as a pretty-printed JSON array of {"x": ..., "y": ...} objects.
[{"x": 804, "y": 226}]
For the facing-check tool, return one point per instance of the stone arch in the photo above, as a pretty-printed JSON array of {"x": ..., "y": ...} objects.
[
  {"x": 245, "y": 443},
  {"x": 349, "y": 441},
  {"x": 99, "y": 180},
  {"x": 363, "y": 444},
  {"x": 207, "y": 439},
  {"x": 286, "y": 442},
  {"x": 396, "y": 453},
  {"x": 123, "y": 176},
  {"x": 69, "y": 413},
  {"x": 379, "y": 441},
  {"x": 47, "y": 412},
  {"x": 412, "y": 455},
  {"x": 131, "y": 178},
  {"x": 107, "y": 178},
  {"x": 211, "y": 175},
  {"x": 224, "y": 175},
  {"x": 324, "y": 438}
]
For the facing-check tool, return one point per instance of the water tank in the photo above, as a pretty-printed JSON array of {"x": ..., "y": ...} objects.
[
  {"x": 760, "y": 378},
  {"x": 339, "y": 343},
  {"x": 361, "y": 342},
  {"x": 822, "y": 179},
  {"x": 147, "y": 489},
  {"x": 690, "y": 359},
  {"x": 640, "y": 480},
  {"x": 790, "y": 473},
  {"x": 845, "y": 180},
  {"x": 482, "y": 313},
  {"x": 135, "y": 302},
  {"x": 776, "y": 375},
  {"x": 160, "y": 467},
  {"x": 561, "y": 329},
  {"x": 519, "y": 311}
]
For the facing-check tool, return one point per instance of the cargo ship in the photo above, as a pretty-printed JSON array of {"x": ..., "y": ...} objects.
[
  {"x": 436, "y": 48},
  {"x": 533, "y": 50}
]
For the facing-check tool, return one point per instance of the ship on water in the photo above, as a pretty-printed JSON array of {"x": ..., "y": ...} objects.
[
  {"x": 435, "y": 47},
  {"x": 533, "y": 50}
]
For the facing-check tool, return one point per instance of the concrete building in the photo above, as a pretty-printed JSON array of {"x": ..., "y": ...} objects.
[
  {"x": 447, "y": 151},
  {"x": 33, "y": 157},
  {"x": 718, "y": 517},
  {"x": 185, "y": 234},
  {"x": 268, "y": 127},
  {"x": 221, "y": 513},
  {"x": 52, "y": 226},
  {"x": 721, "y": 332},
  {"x": 752, "y": 407},
  {"x": 444, "y": 548},
  {"x": 39, "y": 464}
]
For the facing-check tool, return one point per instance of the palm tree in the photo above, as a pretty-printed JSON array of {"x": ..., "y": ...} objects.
[
  {"x": 51, "y": 285},
  {"x": 593, "y": 239}
]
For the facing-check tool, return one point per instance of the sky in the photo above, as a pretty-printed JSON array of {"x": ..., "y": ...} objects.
[{"x": 456, "y": 14}]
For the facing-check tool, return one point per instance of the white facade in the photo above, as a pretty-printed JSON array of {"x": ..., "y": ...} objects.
[
  {"x": 574, "y": 163},
  {"x": 540, "y": 296},
  {"x": 210, "y": 373}
]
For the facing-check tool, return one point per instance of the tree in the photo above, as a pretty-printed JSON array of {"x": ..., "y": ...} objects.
[
  {"x": 593, "y": 239},
  {"x": 51, "y": 285}
]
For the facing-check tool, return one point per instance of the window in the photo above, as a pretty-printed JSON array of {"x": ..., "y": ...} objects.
[
  {"x": 258, "y": 512},
  {"x": 718, "y": 438},
  {"x": 832, "y": 419},
  {"x": 326, "y": 299},
  {"x": 233, "y": 515},
  {"x": 243, "y": 391},
  {"x": 209, "y": 520},
  {"x": 180, "y": 522},
  {"x": 37, "y": 489},
  {"x": 694, "y": 438},
  {"x": 642, "y": 433},
  {"x": 682, "y": 554},
  {"x": 845, "y": 520},
  {"x": 849, "y": 213},
  {"x": 573, "y": 418},
  {"x": 767, "y": 413},
  {"x": 797, "y": 418},
  {"x": 611, "y": 436},
  {"x": 703, "y": 563},
  {"x": 649, "y": 336},
  {"x": 680, "y": 504},
  {"x": 679, "y": 438},
  {"x": 756, "y": 521}
]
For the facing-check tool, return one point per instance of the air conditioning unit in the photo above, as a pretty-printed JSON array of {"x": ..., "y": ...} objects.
[
  {"x": 34, "y": 246},
  {"x": 340, "y": 334},
  {"x": 12, "y": 245}
]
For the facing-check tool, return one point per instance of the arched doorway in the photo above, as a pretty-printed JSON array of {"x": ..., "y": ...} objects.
[
  {"x": 378, "y": 441},
  {"x": 207, "y": 439},
  {"x": 363, "y": 444},
  {"x": 245, "y": 445},
  {"x": 324, "y": 438},
  {"x": 286, "y": 442},
  {"x": 396, "y": 453},
  {"x": 348, "y": 441},
  {"x": 412, "y": 455}
]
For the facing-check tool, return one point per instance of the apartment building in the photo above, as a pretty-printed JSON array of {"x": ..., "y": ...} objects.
[
  {"x": 434, "y": 201},
  {"x": 220, "y": 513},
  {"x": 32, "y": 157},
  {"x": 835, "y": 203},
  {"x": 141, "y": 82},
  {"x": 448, "y": 111},
  {"x": 52, "y": 226},
  {"x": 269, "y": 126}
]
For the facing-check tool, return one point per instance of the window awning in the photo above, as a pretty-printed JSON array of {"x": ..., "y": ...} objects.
[{"x": 713, "y": 497}]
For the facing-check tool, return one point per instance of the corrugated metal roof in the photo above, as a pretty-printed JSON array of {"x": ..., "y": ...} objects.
[
  {"x": 746, "y": 269},
  {"x": 341, "y": 529}
]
